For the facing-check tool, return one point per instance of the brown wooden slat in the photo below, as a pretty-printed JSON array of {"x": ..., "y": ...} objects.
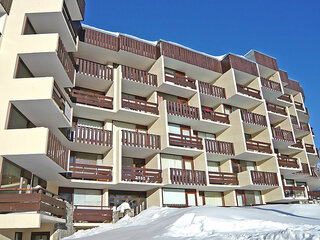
[
  {"x": 185, "y": 141},
  {"x": 182, "y": 110},
  {"x": 249, "y": 91},
  {"x": 253, "y": 118},
  {"x": 219, "y": 147},
  {"x": 140, "y": 105}
]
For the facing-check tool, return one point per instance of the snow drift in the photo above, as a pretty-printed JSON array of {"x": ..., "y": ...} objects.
[{"x": 261, "y": 222}]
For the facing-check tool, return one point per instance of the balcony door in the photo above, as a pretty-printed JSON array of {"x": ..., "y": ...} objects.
[
  {"x": 87, "y": 197},
  {"x": 191, "y": 198},
  {"x": 188, "y": 163}
]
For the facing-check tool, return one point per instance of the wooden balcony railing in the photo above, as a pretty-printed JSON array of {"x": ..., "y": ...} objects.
[
  {"x": 101, "y": 39},
  {"x": 6, "y": 5},
  {"x": 294, "y": 192},
  {"x": 180, "y": 80},
  {"x": 264, "y": 178},
  {"x": 140, "y": 105},
  {"x": 66, "y": 61},
  {"x": 191, "y": 57},
  {"x": 92, "y": 99},
  {"x": 309, "y": 148},
  {"x": 285, "y": 97},
  {"x": 183, "y": 110},
  {"x": 249, "y": 91},
  {"x": 139, "y": 76},
  {"x": 138, "y": 47},
  {"x": 313, "y": 173},
  {"x": 32, "y": 200},
  {"x": 134, "y": 174},
  {"x": 91, "y": 172},
  {"x": 187, "y": 177},
  {"x": 305, "y": 169},
  {"x": 298, "y": 143},
  {"x": 57, "y": 152},
  {"x": 68, "y": 19},
  {"x": 304, "y": 126},
  {"x": 276, "y": 108},
  {"x": 185, "y": 141},
  {"x": 141, "y": 140},
  {"x": 215, "y": 116},
  {"x": 288, "y": 162},
  {"x": 94, "y": 69},
  {"x": 117, "y": 43},
  {"x": 281, "y": 134},
  {"x": 218, "y": 147},
  {"x": 96, "y": 214},
  {"x": 258, "y": 146},
  {"x": 223, "y": 178},
  {"x": 294, "y": 120},
  {"x": 266, "y": 60},
  {"x": 314, "y": 195},
  {"x": 294, "y": 85},
  {"x": 299, "y": 106},
  {"x": 209, "y": 89},
  {"x": 253, "y": 118},
  {"x": 270, "y": 84},
  {"x": 240, "y": 64},
  {"x": 90, "y": 135},
  {"x": 62, "y": 102}
]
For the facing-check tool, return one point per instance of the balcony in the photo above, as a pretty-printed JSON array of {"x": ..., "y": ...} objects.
[
  {"x": 258, "y": 180},
  {"x": 53, "y": 58},
  {"x": 258, "y": 146},
  {"x": 218, "y": 150},
  {"x": 248, "y": 91},
  {"x": 294, "y": 120},
  {"x": 182, "y": 110},
  {"x": 5, "y": 6},
  {"x": 92, "y": 214},
  {"x": 187, "y": 177},
  {"x": 314, "y": 195},
  {"x": 185, "y": 141},
  {"x": 264, "y": 178},
  {"x": 286, "y": 97},
  {"x": 137, "y": 82},
  {"x": 298, "y": 144},
  {"x": 45, "y": 159},
  {"x": 209, "y": 89},
  {"x": 143, "y": 175},
  {"x": 89, "y": 135},
  {"x": 282, "y": 135},
  {"x": 191, "y": 62},
  {"x": 62, "y": 103},
  {"x": 243, "y": 68},
  {"x": 301, "y": 129},
  {"x": 215, "y": 116},
  {"x": 140, "y": 145},
  {"x": 305, "y": 170},
  {"x": 299, "y": 106},
  {"x": 253, "y": 122},
  {"x": 90, "y": 172},
  {"x": 140, "y": 105},
  {"x": 276, "y": 108},
  {"x": 34, "y": 201},
  {"x": 94, "y": 75},
  {"x": 105, "y": 47},
  {"x": 310, "y": 148},
  {"x": 287, "y": 162},
  {"x": 223, "y": 178},
  {"x": 274, "y": 86},
  {"x": 180, "y": 80},
  {"x": 91, "y": 99},
  {"x": 267, "y": 65},
  {"x": 294, "y": 192}
]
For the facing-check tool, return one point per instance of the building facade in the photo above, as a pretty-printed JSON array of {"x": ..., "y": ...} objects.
[{"x": 96, "y": 118}]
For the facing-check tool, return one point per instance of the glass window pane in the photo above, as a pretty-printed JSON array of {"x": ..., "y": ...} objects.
[
  {"x": 240, "y": 199},
  {"x": 174, "y": 128},
  {"x": 213, "y": 198},
  {"x": 191, "y": 199},
  {"x": 171, "y": 161},
  {"x": 213, "y": 166},
  {"x": 188, "y": 165},
  {"x": 250, "y": 198},
  {"x": 10, "y": 176},
  {"x": 174, "y": 196},
  {"x": 87, "y": 197},
  {"x": 257, "y": 197}
]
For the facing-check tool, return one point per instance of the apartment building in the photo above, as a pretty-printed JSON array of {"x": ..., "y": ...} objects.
[{"x": 95, "y": 118}]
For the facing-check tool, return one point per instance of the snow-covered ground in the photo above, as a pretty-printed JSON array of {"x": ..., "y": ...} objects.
[{"x": 261, "y": 222}]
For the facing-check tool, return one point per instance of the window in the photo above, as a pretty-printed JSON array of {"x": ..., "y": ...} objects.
[
  {"x": 11, "y": 175},
  {"x": 241, "y": 166},
  {"x": 213, "y": 166},
  {"x": 247, "y": 198},
  {"x": 213, "y": 198},
  {"x": 89, "y": 123},
  {"x": 289, "y": 182},
  {"x": 206, "y": 135},
  {"x": 18, "y": 236},
  {"x": 133, "y": 162},
  {"x": 28, "y": 28},
  {"x": 86, "y": 158},
  {"x": 40, "y": 236},
  {"x": 22, "y": 70},
  {"x": 87, "y": 197},
  {"x": 174, "y": 197},
  {"x": 171, "y": 161},
  {"x": 227, "y": 109},
  {"x": 17, "y": 120},
  {"x": 301, "y": 184}
]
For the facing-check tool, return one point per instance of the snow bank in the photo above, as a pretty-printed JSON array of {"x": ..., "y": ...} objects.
[{"x": 280, "y": 222}]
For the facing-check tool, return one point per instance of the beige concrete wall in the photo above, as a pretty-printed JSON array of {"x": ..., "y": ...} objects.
[
  {"x": 154, "y": 197},
  {"x": 227, "y": 81},
  {"x": 230, "y": 198},
  {"x": 158, "y": 69}
]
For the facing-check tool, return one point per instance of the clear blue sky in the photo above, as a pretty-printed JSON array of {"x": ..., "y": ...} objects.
[{"x": 288, "y": 30}]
